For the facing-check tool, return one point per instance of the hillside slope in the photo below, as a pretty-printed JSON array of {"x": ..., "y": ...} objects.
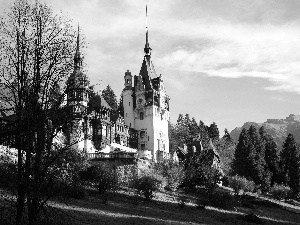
[{"x": 278, "y": 128}]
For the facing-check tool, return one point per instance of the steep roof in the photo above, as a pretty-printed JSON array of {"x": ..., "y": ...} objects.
[
  {"x": 147, "y": 72},
  {"x": 104, "y": 103}
]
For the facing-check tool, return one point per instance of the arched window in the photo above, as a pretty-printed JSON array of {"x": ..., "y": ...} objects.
[{"x": 141, "y": 115}]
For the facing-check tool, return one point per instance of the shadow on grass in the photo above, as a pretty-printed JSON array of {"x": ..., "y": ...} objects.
[
  {"x": 122, "y": 208},
  {"x": 127, "y": 209}
]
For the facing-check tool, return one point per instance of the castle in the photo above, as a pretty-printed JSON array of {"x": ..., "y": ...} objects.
[{"x": 143, "y": 129}]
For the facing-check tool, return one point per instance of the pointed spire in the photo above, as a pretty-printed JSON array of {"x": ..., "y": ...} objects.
[
  {"x": 77, "y": 57},
  {"x": 147, "y": 48}
]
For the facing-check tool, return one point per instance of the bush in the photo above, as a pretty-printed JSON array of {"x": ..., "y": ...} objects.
[
  {"x": 126, "y": 174},
  {"x": 173, "y": 173},
  {"x": 199, "y": 172},
  {"x": 104, "y": 176},
  {"x": 241, "y": 183},
  {"x": 146, "y": 186},
  {"x": 107, "y": 179},
  {"x": 279, "y": 191}
]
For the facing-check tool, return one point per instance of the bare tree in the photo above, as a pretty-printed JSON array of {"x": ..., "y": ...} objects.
[{"x": 36, "y": 49}]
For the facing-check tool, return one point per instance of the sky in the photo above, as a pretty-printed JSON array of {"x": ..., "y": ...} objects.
[{"x": 222, "y": 61}]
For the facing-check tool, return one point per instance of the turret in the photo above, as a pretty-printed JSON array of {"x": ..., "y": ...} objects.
[
  {"x": 128, "y": 103},
  {"x": 77, "y": 85},
  {"x": 128, "y": 80}
]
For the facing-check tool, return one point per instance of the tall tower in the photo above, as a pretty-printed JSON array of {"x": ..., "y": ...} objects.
[
  {"x": 128, "y": 101},
  {"x": 77, "y": 85},
  {"x": 149, "y": 107}
]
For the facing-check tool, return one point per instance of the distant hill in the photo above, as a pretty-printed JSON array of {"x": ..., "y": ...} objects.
[{"x": 278, "y": 128}]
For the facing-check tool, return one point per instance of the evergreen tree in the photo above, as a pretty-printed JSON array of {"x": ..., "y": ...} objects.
[
  {"x": 289, "y": 146},
  {"x": 213, "y": 132},
  {"x": 294, "y": 173},
  {"x": 256, "y": 157},
  {"x": 271, "y": 155},
  {"x": 249, "y": 157},
  {"x": 194, "y": 129},
  {"x": 290, "y": 161},
  {"x": 109, "y": 96},
  {"x": 240, "y": 155},
  {"x": 203, "y": 134},
  {"x": 226, "y": 137},
  {"x": 182, "y": 130}
]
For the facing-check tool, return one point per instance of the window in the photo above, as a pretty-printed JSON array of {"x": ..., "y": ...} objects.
[
  {"x": 104, "y": 130},
  {"x": 142, "y": 134},
  {"x": 142, "y": 146},
  {"x": 141, "y": 116},
  {"x": 129, "y": 103},
  {"x": 148, "y": 138}
]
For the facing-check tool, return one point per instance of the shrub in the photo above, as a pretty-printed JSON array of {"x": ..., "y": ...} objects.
[
  {"x": 279, "y": 191},
  {"x": 107, "y": 179},
  {"x": 126, "y": 174},
  {"x": 146, "y": 186},
  {"x": 241, "y": 183},
  {"x": 173, "y": 173},
  {"x": 104, "y": 176}
]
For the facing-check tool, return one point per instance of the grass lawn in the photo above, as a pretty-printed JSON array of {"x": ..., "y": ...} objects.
[{"x": 126, "y": 208}]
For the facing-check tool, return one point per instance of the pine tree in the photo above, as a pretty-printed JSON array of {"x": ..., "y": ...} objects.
[
  {"x": 256, "y": 158},
  {"x": 271, "y": 155},
  {"x": 249, "y": 157},
  {"x": 240, "y": 156},
  {"x": 194, "y": 129},
  {"x": 182, "y": 130},
  {"x": 290, "y": 161},
  {"x": 294, "y": 173},
  {"x": 203, "y": 134},
  {"x": 226, "y": 137},
  {"x": 213, "y": 131},
  {"x": 109, "y": 96},
  {"x": 289, "y": 146}
]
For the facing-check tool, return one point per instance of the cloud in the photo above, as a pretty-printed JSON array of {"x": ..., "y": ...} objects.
[{"x": 242, "y": 50}]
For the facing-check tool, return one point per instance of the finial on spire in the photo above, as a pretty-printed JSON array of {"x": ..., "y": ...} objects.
[
  {"x": 77, "y": 44},
  {"x": 77, "y": 57},
  {"x": 147, "y": 48}
]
